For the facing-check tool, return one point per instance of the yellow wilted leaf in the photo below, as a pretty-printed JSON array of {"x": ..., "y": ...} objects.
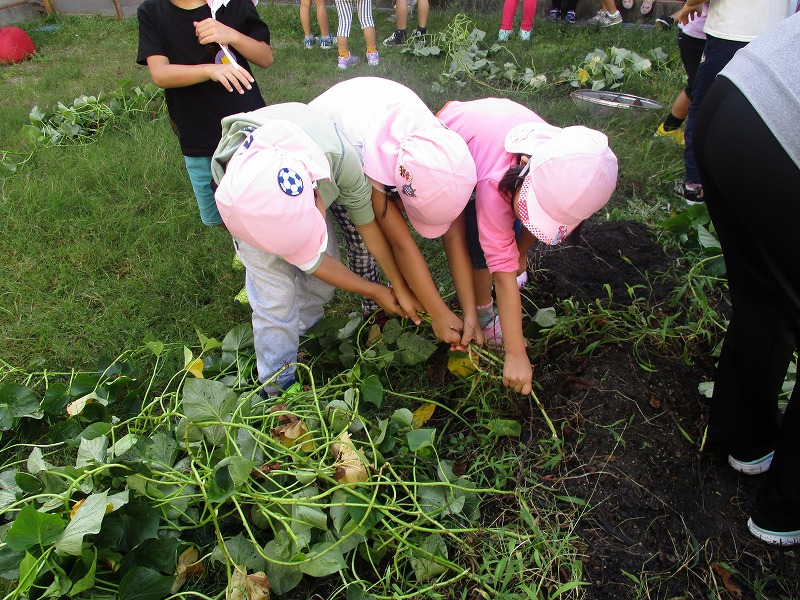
[
  {"x": 583, "y": 75},
  {"x": 249, "y": 587},
  {"x": 76, "y": 406},
  {"x": 196, "y": 367},
  {"x": 374, "y": 335},
  {"x": 461, "y": 364},
  {"x": 188, "y": 567},
  {"x": 294, "y": 432},
  {"x": 349, "y": 463},
  {"x": 75, "y": 508},
  {"x": 422, "y": 414}
]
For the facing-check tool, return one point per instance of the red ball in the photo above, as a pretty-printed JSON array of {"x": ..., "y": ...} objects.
[{"x": 15, "y": 45}]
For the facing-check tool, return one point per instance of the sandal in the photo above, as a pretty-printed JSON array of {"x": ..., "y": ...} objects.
[{"x": 647, "y": 5}]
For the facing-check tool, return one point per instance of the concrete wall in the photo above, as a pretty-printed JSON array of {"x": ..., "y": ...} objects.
[{"x": 11, "y": 11}]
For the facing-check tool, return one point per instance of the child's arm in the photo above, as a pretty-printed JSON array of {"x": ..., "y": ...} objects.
[
  {"x": 458, "y": 258},
  {"x": 166, "y": 75},
  {"x": 524, "y": 242},
  {"x": 334, "y": 273},
  {"x": 517, "y": 370},
  {"x": 257, "y": 52},
  {"x": 379, "y": 247},
  {"x": 446, "y": 325}
]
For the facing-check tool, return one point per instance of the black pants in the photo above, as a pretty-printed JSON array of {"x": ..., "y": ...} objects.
[{"x": 752, "y": 190}]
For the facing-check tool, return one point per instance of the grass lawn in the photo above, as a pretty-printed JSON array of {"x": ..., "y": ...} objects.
[{"x": 138, "y": 462}]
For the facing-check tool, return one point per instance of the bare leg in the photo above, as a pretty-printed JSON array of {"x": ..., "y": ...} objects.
[
  {"x": 402, "y": 14},
  {"x": 305, "y": 16},
  {"x": 680, "y": 108},
  {"x": 322, "y": 18}
]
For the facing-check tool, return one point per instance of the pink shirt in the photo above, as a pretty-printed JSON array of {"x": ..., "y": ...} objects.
[
  {"x": 484, "y": 124},
  {"x": 694, "y": 28}
]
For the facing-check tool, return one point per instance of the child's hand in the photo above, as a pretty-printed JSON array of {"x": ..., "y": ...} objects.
[
  {"x": 472, "y": 333},
  {"x": 518, "y": 373},
  {"x": 448, "y": 328},
  {"x": 211, "y": 30},
  {"x": 231, "y": 77},
  {"x": 409, "y": 304},
  {"x": 386, "y": 299}
]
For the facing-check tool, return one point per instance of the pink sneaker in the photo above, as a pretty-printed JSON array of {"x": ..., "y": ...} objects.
[
  {"x": 373, "y": 58},
  {"x": 492, "y": 333},
  {"x": 350, "y": 61}
]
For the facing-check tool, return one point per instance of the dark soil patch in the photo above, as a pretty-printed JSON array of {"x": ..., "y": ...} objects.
[{"x": 664, "y": 514}]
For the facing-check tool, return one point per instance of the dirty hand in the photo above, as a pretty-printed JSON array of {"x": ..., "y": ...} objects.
[
  {"x": 231, "y": 77},
  {"x": 518, "y": 373},
  {"x": 209, "y": 31}
]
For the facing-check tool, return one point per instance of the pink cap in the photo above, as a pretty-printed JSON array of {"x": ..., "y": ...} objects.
[
  {"x": 430, "y": 166},
  {"x": 266, "y": 196},
  {"x": 572, "y": 174}
]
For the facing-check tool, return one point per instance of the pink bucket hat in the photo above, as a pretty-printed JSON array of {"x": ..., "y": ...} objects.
[
  {"x": 266, "y": 196},
  {"x": 430, "y": 166},
  {"x": 571, "y": 175}
]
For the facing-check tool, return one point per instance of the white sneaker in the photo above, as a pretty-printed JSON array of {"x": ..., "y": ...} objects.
[{"x": 525, "y": 36}]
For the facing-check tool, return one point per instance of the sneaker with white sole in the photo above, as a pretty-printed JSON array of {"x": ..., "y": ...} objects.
[
  {"x": 775, "y": 533},
  {"x": 327, "y": 42},
  {"x": 692, "y": 193},
  {"x": 554, "y": 15},
  {"x": 610, "y": 20},
  {"x": 373, "y": 58},
  {"x": 398, "y": 38},
  {"x": 524, "y": 35},
  {"x": 309, "y": 41},
  {"x": 504, "y": 35},
  {"x": 757, "y": 466},
  {"x": 664, "y": 23},
  {"x": 598, "y": 18},
  {"x": 570, "y": 17},
  {"x": 350, "y": 61}
]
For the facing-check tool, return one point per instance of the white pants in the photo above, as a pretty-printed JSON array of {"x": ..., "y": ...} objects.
[{"x": 286, "y": 302}]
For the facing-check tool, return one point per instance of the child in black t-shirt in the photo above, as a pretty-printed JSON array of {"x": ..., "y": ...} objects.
[{"x": 198, "y": 51}]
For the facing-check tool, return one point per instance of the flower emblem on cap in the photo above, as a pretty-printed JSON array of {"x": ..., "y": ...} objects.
[
  {"x": 290, "y": 182},
  {"x": 406, "y": 174}
]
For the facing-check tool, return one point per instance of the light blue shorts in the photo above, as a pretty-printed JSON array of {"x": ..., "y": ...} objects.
[{"x": 199, "y": 168}]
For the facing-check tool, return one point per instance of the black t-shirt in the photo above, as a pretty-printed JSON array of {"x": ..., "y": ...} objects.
[{"x": 196, "y": 110}]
